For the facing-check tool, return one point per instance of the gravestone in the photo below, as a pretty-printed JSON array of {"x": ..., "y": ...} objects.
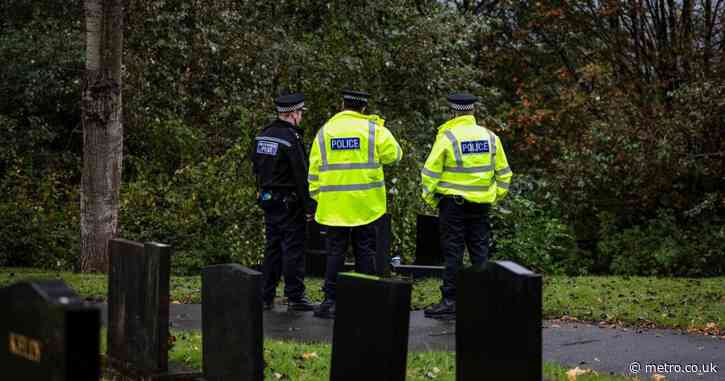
[
  {"x": 138, "y": 310},
  {"x": 383, "y": 240},
  {"x": 233, "y": 340},
  {"x": 48, "y": 334},
  {"x": 370, "y": 333},
  {"x": 316, "y": 249},
  {"x": 498, "y": 323},
  {"x": 427, "y": 241}
]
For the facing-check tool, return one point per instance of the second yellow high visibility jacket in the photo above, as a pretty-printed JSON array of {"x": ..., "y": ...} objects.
[
  {"x": 346, "y": 175},
  {"x": 466, "y": 160}
]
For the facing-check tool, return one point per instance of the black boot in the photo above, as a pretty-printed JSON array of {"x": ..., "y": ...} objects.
[
  {"x": 446, "y": 309},
  {"x": 326, "y": 310},
  {"x": 300, "y": 304}
]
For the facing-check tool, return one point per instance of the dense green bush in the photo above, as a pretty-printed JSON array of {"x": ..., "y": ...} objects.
[
  {"x": 39, "y": 224},
  {"x": 205, "y": 210},
  {"x": 614, "y": 144},
  {"x": 527, "y": 229},
  {"x": 665, "y": 246}
]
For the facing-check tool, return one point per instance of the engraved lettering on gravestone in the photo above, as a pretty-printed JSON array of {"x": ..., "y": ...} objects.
[{"x": 25, "y": 347}]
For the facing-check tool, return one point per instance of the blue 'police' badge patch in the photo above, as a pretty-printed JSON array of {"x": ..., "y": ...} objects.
[
  {"x": 345, "y": 143},
  {"x": 475, "y": 146},
  {"x": 267, "y": 148}
]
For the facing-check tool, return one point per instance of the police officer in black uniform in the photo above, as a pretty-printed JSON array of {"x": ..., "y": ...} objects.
[{"x": 280, "y": 165}]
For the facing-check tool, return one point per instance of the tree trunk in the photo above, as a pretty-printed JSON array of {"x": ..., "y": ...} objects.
[{"x": 102, "y": 131}]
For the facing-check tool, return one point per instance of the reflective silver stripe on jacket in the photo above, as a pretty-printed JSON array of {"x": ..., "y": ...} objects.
[
  {"x": 474, "y": 188},
  {"x": 321, "y": 146},
  {"x": 503, "y": 185},
  {"x": 430, "y": 173},
  {"x": 371, "y": 142},
  {"x": 312, "y": 177},
  {"x": 277, "y": 140},
  {"x": 484, "y": 168},
  {"x": 351, "y": 187},
  {"x": 333, "y": 167},
  {"x": 456, "y": 148},
  {"x": 370, "y": 164},
  {"x": 314, "y": 192},
  {"x": 504, "y": 171}
]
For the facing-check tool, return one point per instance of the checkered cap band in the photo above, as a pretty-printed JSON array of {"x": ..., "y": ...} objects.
[
  {"x": 294, "y": 107},
  {"x": 460, "y": 107},
  {"x": 354, "y": 98}
]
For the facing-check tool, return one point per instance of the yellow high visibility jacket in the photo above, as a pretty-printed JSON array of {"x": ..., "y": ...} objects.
[
  {"x": 466, "y": 160},
  {"x": 346, "y": 175}
]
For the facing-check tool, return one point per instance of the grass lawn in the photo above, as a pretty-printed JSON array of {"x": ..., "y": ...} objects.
[
  {"x": 300, "y": 361},
  {"x": 664, "y": 302}
]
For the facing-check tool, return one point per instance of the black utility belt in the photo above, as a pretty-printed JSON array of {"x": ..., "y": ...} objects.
[
  {"x": 278, "y": 195},
  {"x": 460, "y": 200}
]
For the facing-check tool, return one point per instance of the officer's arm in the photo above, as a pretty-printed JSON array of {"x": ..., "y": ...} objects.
[
  {"x": 313, "y": 175},
  {"x": 503, "y": 171},
  {"x": 298, "y": 162},
  {"x": 388, "y": 148},
  {"x": 251, "y": 154},
  {"x": 432, "y": 171}
]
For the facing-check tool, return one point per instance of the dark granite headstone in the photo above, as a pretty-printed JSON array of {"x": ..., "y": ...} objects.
[
  {"x": 383, "y": 240},
  {"x": 316, "y": 249},
  {"x": 48, "y": 334},
  {"x": 138, "y": 309},
  {"x": 498, "y": 323},
  {"x": 427, "y": 241},
  {"x": 233, "y": 341},
  {"x": 370, "y": 334}
]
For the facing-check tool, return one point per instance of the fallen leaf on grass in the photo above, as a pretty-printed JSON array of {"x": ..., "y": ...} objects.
[
  {"x": 309, "y": 355},
  {"x": 572, "y": 374},
  {"x": 658, "y": 377},
  {"x": 278, "y": 375}
]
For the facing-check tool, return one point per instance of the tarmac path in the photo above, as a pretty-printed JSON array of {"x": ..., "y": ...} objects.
[{"x": 606, "y": 350}]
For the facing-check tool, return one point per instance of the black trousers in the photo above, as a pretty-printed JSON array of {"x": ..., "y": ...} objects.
[
  {"x": 462, "y": 223},
  {"x": 338, "y": 238},
  {"x": 284, "y": 250}
]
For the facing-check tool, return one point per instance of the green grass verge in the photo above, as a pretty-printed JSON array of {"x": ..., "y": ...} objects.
[
  {"x": 289, "y": 360},
  {"x": 665, "y": 302}
]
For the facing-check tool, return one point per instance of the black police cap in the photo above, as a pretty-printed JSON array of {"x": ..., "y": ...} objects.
[
  {"x": 355, "y": 97},
  {"x": 290, "y": 102},
  {"x": 461, "y": 101}
]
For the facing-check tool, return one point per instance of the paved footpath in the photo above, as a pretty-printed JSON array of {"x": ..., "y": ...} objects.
[{"x": 606, "y": 350}]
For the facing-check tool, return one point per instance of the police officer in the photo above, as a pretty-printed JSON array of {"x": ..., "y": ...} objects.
[
  {"x": 280, "y": 165},
  {"x": 346, "y": 179},
  {"x": 464, "y": 174}
]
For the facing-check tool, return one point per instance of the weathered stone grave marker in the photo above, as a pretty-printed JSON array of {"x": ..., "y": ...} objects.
[
  {"x": 233, "y": 340},
  {"x": 138, "y": 311},
  {"x": 48, "y": 334},
  {"x": 427, "y": 241},
  {"x": 498, "y": 323},
  {"x": 370, "y": 333}
]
